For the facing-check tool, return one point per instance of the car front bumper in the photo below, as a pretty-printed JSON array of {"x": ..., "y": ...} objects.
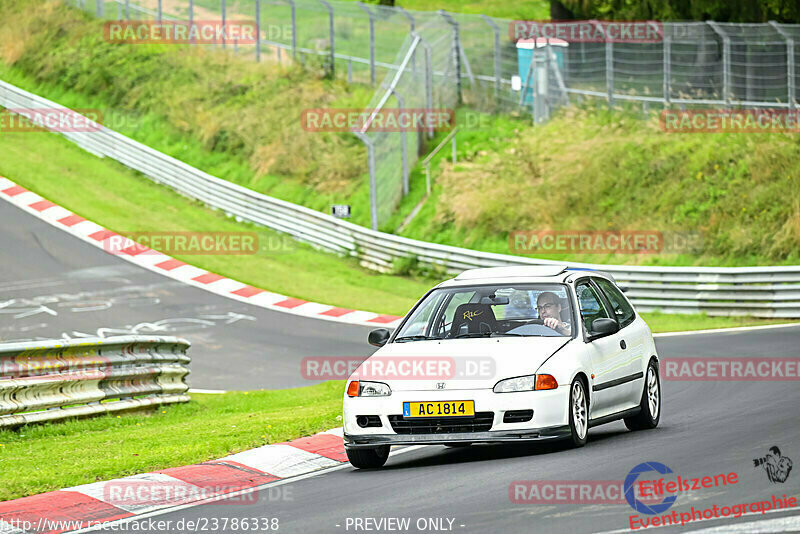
[
  {"x": 550, "y": 417},
  {"x": 375, "y": 440}
]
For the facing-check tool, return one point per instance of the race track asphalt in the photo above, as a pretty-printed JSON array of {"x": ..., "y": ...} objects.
[
  {"x": 58, "y": 284},
  {"x": 53, "y": 284},
  {"x": 707, "y": 428}
]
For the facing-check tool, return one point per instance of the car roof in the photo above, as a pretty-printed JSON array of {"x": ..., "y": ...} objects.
[{"x": 542, "y": 274}]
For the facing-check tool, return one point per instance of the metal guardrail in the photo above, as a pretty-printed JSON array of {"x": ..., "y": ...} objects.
[
  {"x": 58, "y": 379},
  {"x": 755, "y": 291}
]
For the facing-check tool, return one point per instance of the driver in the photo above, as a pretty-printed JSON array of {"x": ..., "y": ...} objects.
[{"x": 549, "y": 307}]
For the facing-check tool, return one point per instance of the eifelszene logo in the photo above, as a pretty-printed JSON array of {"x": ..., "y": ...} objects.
[
  {"x": 638, "y": 505},
  {"x": 777, "y": 467}
]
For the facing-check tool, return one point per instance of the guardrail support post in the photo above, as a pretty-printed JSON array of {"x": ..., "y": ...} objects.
[
  {"x": 497, "y": 58},
  {"x": 790, "y": 76},
  {"x": 372, "y": 74},
  {"x": 330, "y": 31}
]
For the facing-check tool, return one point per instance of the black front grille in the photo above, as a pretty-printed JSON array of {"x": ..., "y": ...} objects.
[{"x": 482, "y": 422}]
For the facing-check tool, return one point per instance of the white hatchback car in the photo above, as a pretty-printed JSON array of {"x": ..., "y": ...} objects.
[{"x": 506, "y": 354}]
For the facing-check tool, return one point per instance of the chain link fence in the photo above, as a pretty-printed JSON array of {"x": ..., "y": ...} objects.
[{"x": 441, "y": 60}]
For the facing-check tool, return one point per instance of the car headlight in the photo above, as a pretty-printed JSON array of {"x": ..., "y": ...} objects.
[
  {"x": 526, "y": 383},
  {"x": 364, "y": 388}
]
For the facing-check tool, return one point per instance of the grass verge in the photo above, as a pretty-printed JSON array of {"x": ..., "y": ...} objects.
[
  {"x": 82, "y": 451},
  {"x": 122, "y": 200}
]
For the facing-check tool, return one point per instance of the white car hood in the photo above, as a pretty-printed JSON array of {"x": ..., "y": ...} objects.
[{"x": 470, "y": 363}]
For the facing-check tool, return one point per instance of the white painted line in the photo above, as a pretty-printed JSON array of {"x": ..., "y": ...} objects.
[
  {"x": 114, "y": 492},
  {"x": 726, "y": 330},
  {"x": 283, "y": 461},
  {"x": 765, "y": 526}
]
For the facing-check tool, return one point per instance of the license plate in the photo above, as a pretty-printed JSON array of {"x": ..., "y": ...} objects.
[{"x": 439, "y": 409}]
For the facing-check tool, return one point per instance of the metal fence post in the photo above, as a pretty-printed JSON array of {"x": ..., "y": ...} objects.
[
  {"x": 192, "y": 41},
  {"x": 294, "y": 28},
  {"x": 223, "y": 9},
  {"x": 403, "y": 144},
  {"x": 667, "y": 70},
  {"x": 497, "y": 57},
  {"x": 160, "y": 11},
  {"x": 127, "y": 9},
  {"x": 372, "y": 74},
  {"x": 454, "y": 149},
  {"x": 456, "y": 50},
  {"x": 258, "y": 31},
  {"x": 790, "y": 76},
  {"x": 330, "y": 30},
  {"x": 412, "y": 25},
  {"x": 428, "y": 78},
  {"x": 100, "y": 9},
  {"x": 373, "y": 194},
  {"x": 726, "y": 61}
]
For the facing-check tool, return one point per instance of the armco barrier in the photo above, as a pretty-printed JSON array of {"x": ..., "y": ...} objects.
[
  {"x": 49, "y": 380},
  {"x": 755, "y": 291}
]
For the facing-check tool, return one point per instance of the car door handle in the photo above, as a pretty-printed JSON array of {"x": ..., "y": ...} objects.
[{"x": 622, "y": 344}]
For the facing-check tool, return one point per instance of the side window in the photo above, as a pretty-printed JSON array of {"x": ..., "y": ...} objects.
[
  {"x": 622, "y": 309},
  {"x": 419, "y": 321},
  {"x": 590, "y": 304}
]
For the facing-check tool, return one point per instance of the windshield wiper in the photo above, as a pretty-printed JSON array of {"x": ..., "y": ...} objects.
[
  {"x": 501, "y": 334},
  {"x": 414, "y": 338},
  {"x": 474, "y": 334}
]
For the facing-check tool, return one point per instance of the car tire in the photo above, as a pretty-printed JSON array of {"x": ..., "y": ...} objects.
[
  {"x": 578, "y": 413},
  {"x": 368, "y": 458},
  {"x": 650, "y": 405}
]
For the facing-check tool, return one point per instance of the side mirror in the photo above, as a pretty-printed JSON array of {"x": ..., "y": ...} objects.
[
  {"x": 379, "y": 337},
  {"x": 604, "y": 327}
]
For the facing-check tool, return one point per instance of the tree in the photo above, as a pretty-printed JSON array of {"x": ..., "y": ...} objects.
[{"x": 719, "y": 10}]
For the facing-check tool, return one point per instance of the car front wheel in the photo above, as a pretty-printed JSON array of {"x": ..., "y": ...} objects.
[
  {"x": 368, "y": 458},
  {"x": 650, "y": 405},
  {"x": 578, "y": 413}
]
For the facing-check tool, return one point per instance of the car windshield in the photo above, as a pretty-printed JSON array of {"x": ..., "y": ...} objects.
[{"x": 490, "y": 311}]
